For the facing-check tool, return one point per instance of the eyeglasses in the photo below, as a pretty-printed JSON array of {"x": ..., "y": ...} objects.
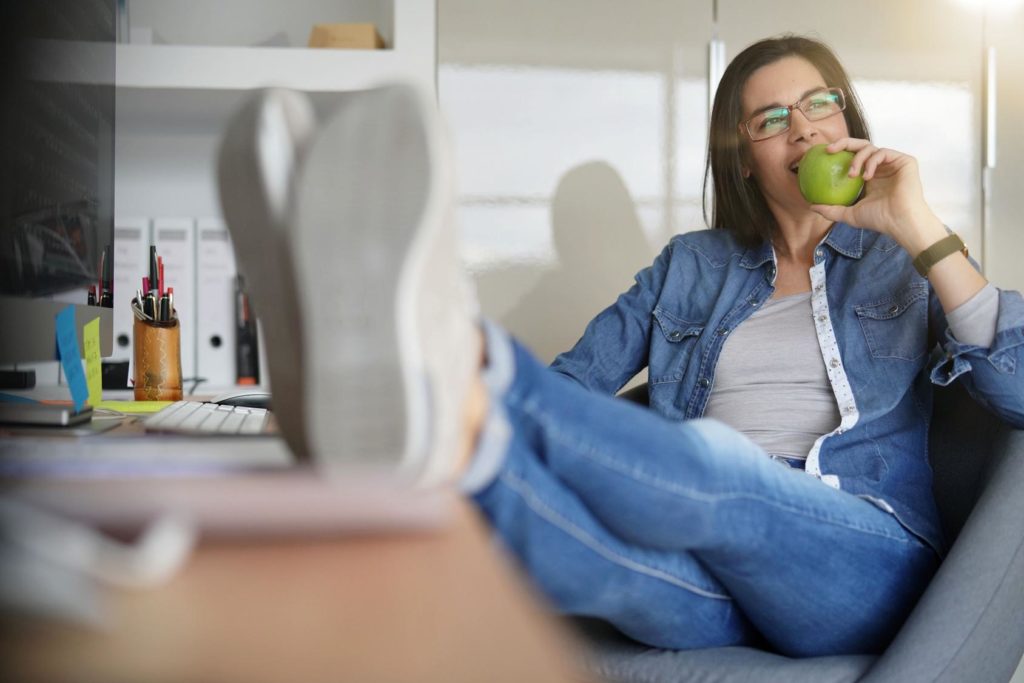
[{"x": 818, "y": 105}]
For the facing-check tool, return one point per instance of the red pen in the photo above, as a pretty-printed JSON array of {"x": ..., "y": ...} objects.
[
  {"x": 145, "y": 285},
  {"x": 99, "y": 288},
  {"x": 160, "y": 269}
]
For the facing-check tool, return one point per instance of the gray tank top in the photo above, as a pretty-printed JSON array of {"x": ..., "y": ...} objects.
[{"x": 770, "y": 382}]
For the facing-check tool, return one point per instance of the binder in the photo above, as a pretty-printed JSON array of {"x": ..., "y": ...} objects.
[
  {"x": 247, "y": 343},
  {"x": 175, "y": 243},
  {"x": 215, "y": 286},
  {"x": 131, "y": 263}
]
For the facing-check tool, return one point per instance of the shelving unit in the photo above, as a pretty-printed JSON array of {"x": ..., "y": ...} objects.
[
  {"x": 410, "y": 53},
  {"x": 173, "y": 99},
  {"x": 174, "y": 96}
]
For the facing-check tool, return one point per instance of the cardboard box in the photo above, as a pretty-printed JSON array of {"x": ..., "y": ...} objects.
[{"x": 346, "y": 36}]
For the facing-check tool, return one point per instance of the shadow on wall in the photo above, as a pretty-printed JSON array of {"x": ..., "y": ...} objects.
[{"x": 599, "y": 245}]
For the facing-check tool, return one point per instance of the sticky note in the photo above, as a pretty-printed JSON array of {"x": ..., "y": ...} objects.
[
  {"x": 136, "y": 407},
  {"x": 93, "y": 364},
  {"x": 70, "y": 360}
]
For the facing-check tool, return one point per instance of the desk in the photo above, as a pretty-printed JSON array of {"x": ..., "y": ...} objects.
[{"x": 436, "y": 606}]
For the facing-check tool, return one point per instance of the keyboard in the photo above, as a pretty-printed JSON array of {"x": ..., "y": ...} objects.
[{"x": 200, "y": 418}]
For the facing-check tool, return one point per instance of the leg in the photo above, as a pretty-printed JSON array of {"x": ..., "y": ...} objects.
[
  {"x": 664, "y": 598},
  {"x": 816, "y": 570}
]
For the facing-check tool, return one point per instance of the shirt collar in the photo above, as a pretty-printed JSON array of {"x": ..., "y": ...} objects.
[{"x": 845, "y": 239}]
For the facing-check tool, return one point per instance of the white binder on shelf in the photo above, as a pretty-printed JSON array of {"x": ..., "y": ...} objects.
[
  {"x": 175, "y": 243},
  {"x": 215, "y": 304},
  {"x": 131, "y": 263}
]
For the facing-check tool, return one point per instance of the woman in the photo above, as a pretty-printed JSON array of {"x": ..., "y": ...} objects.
[{"x": 802, "y": 515}]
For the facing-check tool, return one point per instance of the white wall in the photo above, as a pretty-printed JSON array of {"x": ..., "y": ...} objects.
[{"x": 541, "y": 94}]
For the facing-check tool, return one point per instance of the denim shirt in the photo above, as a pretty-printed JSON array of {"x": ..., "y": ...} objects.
[{"x": 877, "y": 322}]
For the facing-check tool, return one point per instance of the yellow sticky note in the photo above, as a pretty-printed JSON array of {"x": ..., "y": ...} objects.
[
  {"x": 93, "y": 365},
  {"x": 138, "y": 407}
]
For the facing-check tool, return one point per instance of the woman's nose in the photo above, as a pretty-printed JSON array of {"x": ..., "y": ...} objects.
[{"x": 800, "y": 128}]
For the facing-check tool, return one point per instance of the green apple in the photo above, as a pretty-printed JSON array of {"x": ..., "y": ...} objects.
[{"x": 824, "y": 178}]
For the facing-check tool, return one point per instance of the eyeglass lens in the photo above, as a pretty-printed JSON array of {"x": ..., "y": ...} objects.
[{"x": 816, "y": 106}]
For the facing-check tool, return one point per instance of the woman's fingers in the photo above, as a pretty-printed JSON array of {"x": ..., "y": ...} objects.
[
  {"x": 863, "y": 155},
  {"x": 871, "y": 165},
  {"x": 862, "y": 151}
]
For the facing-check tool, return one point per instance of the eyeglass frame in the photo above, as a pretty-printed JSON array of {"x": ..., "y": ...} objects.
[{"x": 744, "y": 126}]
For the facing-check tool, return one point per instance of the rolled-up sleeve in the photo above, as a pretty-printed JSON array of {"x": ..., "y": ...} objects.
[{"x": 992, "y": 374}]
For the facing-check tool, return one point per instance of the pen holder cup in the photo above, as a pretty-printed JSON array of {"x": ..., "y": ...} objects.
[{"x": 157, "y": 364}]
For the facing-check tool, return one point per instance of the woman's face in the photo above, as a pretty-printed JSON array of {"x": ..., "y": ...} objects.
[{"x": 772, "y": 162}]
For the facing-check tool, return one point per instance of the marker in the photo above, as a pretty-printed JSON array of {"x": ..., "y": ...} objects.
[{"x": 152, "y": 265}]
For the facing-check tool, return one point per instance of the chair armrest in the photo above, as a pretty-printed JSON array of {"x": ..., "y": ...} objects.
[{"x": 967, "y": 624}]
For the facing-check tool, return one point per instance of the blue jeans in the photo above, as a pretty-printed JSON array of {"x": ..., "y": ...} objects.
[{"x": 682, "y": 535}]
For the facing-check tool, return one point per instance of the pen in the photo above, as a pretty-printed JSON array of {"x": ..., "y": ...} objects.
[
  {"x": 152, "y": 265},
  {"x": 100, "y": 278}
]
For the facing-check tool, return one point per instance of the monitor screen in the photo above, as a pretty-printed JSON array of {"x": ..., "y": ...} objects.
[{"x": 56, "y": 170}]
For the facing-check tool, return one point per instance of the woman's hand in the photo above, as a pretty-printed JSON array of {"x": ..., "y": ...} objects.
[{"x": 893, "y": 200}]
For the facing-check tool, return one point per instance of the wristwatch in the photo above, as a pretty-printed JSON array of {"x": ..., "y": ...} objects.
[{"x": 950, "y": 244}]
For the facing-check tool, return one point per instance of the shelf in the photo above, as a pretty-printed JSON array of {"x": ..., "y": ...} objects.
[
  {"x": 243, "y": 68},
  {"x": 412, "y": 55},
  {"x": 171, "y": 111}
]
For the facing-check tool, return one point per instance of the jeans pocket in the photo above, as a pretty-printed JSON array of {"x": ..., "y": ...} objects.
[
  {"x": 897, "y": 326},
  {"x": 672, "y": 343}
]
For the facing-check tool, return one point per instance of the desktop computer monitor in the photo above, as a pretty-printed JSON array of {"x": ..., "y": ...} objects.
[{"x": 56, "y": 171}]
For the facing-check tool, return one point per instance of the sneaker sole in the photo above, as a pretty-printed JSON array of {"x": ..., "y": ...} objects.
[
  {"x": 367, "y": 203},
  {"x": 258, "y": 160}
]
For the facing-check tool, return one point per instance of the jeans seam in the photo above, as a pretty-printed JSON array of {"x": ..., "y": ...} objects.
[
  {"x": 672, "y": 488},
  {"x": 534, "y": 502}
]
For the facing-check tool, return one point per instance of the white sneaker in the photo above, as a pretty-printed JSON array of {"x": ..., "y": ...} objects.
[
  {"x": 388, "y": 319},
  {"x": 258, "y": 161}
]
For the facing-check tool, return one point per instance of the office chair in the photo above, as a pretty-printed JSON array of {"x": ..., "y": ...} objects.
[{"x": 968, "y": 625}]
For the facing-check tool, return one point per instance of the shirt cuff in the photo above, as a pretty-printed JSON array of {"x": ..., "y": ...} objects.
[{"x": 974, "y": 321}]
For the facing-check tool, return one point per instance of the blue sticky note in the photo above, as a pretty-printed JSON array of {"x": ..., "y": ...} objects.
[{"x": 70, "y": 359}]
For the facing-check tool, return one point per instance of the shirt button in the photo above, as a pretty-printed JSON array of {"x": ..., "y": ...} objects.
[
  {"x": 834, "y": 362},
  {"x": 895, "y": 308},
  {"x": 822, "y": 317},
  {"x": 819, "y": 253},
  {"x": 675, "y": 335},
  {"x": 818, "y": 288},
  {"x": 722, "y": 331},
  {"x": 704, "y": 382}
]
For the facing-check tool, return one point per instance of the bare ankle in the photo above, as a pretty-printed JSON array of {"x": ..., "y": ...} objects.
[{"x": 474, "y": 412}]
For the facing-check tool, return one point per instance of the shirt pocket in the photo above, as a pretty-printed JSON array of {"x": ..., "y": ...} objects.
[
  {"x": 897, "y": 326},
  {"x": 673, "y": 341}
]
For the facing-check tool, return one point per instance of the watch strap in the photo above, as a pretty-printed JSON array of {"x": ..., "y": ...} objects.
[{"x": 950, "y": 244}]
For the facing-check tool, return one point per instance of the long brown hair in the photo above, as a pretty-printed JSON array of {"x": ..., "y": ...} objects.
[{"x": 737, "y": 203}]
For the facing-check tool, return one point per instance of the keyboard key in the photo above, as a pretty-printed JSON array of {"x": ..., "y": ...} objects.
[
  {"x": 213, "y": 421},
  {"x": 233, "y": 422},
  {"x": 253, "y": 423}
]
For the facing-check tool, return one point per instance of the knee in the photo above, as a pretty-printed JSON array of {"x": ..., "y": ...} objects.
[{"x": 714, "y": 435}]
